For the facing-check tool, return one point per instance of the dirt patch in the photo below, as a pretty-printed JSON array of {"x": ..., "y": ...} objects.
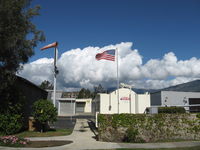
[{"x": 39, "y": 144}]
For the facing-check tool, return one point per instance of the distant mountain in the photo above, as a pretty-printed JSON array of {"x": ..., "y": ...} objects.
[
  {"x": 193, "y": 86},
  {"x": 142, "y": 91}
]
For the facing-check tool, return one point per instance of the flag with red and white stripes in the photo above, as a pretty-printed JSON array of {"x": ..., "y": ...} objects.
[{"x": 108, "y": 55}]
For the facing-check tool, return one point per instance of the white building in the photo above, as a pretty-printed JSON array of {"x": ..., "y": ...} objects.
[
  {"x": 70, "y": 106},
  {"x": 129, "y": 102},
  {"x": 176, "y": 98}
]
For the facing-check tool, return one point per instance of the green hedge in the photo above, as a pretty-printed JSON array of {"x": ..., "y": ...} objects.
[
  {"x": 10, "y": 123},
  {"x": 148, "y": 127},
  {"x": 171, "y": 110}
]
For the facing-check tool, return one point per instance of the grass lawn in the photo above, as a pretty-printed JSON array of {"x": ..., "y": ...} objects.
[
  {"x": 188, "y": 148},
  {"x": 52, "y": 132},
  {"x": 39, "y": 144}
]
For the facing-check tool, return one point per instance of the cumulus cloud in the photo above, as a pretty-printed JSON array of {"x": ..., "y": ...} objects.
[
  {"x": 79, "y": 68},
  {"x": 38, "y": 70}
]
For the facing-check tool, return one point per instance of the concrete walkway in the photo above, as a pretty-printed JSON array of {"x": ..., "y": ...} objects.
[{"x": 83, "y": 138}]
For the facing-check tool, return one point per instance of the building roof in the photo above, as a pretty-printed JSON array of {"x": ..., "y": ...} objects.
[
  {"x": 65, "y": 94},
  {"x": 66, "y": 99},
  {"x": 20, "y": 79}
]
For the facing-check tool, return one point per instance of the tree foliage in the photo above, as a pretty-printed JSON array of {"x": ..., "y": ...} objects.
[
  {"x": 44, "y": 111},
  {"x": 84, "y": 93},
  {"x": 18, "y": 37},
  {"x": 98, "y": 89},
  {"x": 46, "y": 85},
  {"x": 12, "y": 111},
  {"x": 10, "y": 123}
]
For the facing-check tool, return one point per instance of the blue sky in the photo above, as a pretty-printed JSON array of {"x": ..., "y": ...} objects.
[
  {"x": 166, "y": 34},
  {"x": 154, "y": 26}
]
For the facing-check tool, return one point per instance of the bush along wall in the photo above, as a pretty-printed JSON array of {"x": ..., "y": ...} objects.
[
  {"x": 171, "y": 110},
  {"x": 148, "y": 127}
]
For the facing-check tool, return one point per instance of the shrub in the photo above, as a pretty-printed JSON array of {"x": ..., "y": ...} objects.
[
  {"x": 198, "y": 115},
  {"x": 10, "y": 123},
  {"x": 11, "y": 110},
  {"x": 171, "y": 110},
  {"x": 132, "y": 136},
  {"x": 43, "y": 112},
  {"x": 13, "y": 141}
]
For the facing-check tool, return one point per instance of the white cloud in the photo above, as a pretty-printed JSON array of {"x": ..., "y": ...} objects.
[
  {"x": 38, "y": 70},
  {"x": 158, "y": 84},
  {"x": 79, "y": 68}
]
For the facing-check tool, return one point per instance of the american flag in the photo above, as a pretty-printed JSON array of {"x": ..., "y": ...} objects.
[{"x": 108, "y": 55}]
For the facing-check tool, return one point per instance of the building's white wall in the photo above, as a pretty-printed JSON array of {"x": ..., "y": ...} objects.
[
  {"x": 88, "y": 105},
  {"x": 174, "y": 98},
  {"x": 137, "y": 104},
  {"x": 96, "y": 104},
  {"x": 104, "y": 103},
  {"x": 126, "y": 106},
  {"x": 143, "y": 102}
]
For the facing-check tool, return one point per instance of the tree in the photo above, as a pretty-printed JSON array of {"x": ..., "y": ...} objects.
[
  {"x": 18, "y": 37},
  {"x": 46, "y": 85},
  {"x": 44, "y": 112},
  {"x": 98, "y": 89},
  {"x": 84, "y": 93}
]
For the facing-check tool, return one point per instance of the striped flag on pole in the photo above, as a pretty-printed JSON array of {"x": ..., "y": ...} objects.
[
  {"x": 55, "y": 44},
  {"x": 108, "y": 55}
]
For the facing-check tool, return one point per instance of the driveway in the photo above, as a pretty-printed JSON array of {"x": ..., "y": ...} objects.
[
  {"x": 64, "y": 123},
  {"x": 70, "y": 121}
]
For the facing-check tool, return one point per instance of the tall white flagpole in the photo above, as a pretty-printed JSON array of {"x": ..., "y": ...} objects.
[
  {"x": 55, "y": 73},
  {"x": 117, "y": 79}
]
